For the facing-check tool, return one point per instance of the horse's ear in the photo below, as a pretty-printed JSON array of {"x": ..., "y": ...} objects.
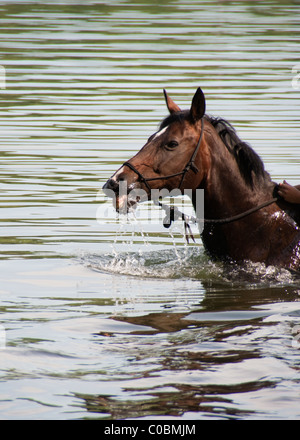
[
  {"x": 172, "y": 107},
  {"x": 198, "y": 105}
]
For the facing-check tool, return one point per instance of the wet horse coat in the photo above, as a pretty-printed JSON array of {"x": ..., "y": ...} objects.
[{"x": 192, "y": 150}]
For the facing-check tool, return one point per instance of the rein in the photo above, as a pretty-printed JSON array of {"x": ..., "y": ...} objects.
[{"x": 173, "y": 212}]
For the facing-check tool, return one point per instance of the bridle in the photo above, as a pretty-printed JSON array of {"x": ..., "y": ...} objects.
[
  {"x": 173, "y": 212},
  {"x": 189, "y": 166}
]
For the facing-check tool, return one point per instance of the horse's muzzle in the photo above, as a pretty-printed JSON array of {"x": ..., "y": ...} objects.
[
  {"x": 109, "y": 186},
  {"x": 124, "y": 197}
]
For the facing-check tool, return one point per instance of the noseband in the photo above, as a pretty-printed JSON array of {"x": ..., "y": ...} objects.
[{"x": 189, "y": 166}]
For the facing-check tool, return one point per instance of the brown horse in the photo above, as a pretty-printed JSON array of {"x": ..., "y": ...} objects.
[{"x": 191, "y": 150}]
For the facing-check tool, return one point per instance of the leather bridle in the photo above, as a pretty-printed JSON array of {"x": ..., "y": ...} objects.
[
  {"x": 173, "y": 212},
  {"x": 189, "y": 166}
]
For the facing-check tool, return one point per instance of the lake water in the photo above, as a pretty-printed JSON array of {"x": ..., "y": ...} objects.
[{"x": 106, "y": 317}]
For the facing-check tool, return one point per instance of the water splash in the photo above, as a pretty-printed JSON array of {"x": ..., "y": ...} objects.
[
  {"x": 139, "y": 258},
  {"x": 191, "y": 263},
  {"x": 133, "y": 254}
]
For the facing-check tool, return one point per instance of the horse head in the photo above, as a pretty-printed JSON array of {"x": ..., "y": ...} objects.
[{"x": 172, "y": 158}]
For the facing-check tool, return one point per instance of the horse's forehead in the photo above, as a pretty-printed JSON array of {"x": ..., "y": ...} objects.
[
  {"x": 171, "y": 128},
  {"x": 160, "y": 132}
]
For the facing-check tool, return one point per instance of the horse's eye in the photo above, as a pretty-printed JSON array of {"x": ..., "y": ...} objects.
[{"x": 172, "y": 144}]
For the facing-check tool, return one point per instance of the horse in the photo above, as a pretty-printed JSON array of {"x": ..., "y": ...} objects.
[{"x": 245, "y": 218}]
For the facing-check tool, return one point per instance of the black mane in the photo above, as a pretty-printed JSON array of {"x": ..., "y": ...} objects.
[{"x": 249, "y": 162}]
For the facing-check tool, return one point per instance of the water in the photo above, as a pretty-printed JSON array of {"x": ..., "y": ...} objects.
[{"x": 104, "y": 317}]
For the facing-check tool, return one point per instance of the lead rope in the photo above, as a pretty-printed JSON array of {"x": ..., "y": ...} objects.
[{"x": 173, "y": 213}]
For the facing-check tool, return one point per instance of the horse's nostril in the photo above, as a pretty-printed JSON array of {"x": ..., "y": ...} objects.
[{"x": 110, "y": 185}]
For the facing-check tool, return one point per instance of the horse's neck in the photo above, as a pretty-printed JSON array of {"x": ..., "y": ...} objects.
[
  {"x": 226, "y": 193},
  {"x": 267, "y": 235}
]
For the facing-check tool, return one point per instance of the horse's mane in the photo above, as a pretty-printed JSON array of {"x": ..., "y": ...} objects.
[{"x": 248, "y": 161}]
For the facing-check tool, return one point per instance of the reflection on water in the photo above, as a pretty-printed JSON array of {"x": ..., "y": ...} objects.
[
  {"x": 109, "y": 318},
  {"x": 199, "y": 364}
]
